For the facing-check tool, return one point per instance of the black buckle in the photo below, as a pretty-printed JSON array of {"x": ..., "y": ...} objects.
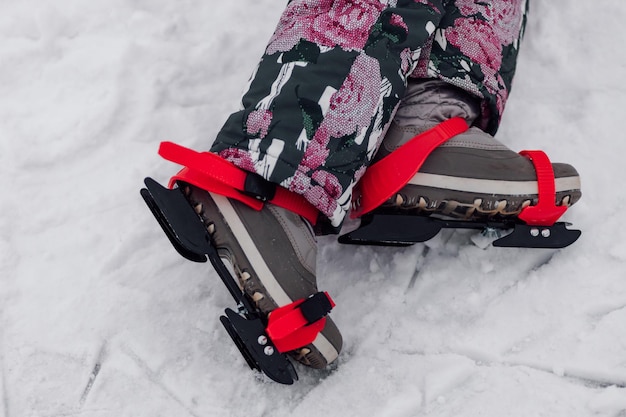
[
  {"x": 258, "y": 187},
  {"x": 316, "y": 307}
]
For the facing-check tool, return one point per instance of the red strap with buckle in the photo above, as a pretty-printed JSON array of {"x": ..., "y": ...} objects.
[
  {"x": 297, "y": 324},
  {"x": 215, "y": 174},
  {"x": 387, "y": 176},
  {"x": 546, "y": 212}
]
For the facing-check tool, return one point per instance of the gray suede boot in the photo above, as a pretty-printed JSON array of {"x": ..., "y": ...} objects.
[
  {"x": 472, "y": 175},
  {"x": 273, "y": 255}
]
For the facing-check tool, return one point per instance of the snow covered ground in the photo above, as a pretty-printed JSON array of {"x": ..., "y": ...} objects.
[{"x": 100, "y": 317}]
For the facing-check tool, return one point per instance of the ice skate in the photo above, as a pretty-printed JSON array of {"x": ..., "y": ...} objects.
[
  {"x": 468, "y": 177},
  {"x": 265, "y": 255},
  {"x": 472, "y": 175}
]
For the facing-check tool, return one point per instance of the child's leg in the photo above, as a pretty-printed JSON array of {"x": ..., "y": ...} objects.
[
  {"x": 324, "y": 93},
  {"x": 475, "y": 47}
]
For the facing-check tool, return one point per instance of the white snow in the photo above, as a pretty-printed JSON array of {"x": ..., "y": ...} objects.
[{"x": 100, "y": 317}]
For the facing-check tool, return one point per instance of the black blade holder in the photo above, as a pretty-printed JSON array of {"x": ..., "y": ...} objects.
[{"x": 388, "y": 229}]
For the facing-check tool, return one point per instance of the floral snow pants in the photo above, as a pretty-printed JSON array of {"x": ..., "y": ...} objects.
[{"x": 334, "y": 73}]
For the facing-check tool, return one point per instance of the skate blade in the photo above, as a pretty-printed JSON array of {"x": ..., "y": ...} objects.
[{"x": 405, "y": 230}]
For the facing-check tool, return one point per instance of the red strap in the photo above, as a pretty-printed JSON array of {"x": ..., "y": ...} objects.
[
  {"x": 290, "y": 327},
  {"x": 390, "y": 174},
  {"x": 215, "y": 174},
  {"x": 546, "y": 212}
]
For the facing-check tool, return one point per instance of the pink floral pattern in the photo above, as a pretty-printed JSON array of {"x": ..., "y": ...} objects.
[
  {"x": 476, "y": 39},
  {"x": 352, "y": 106},
  {"x": 351, "y": 109},
  {"x": 406, "y": 58},
  {"x": 239, "y": 157},
  {"x": 397, "y": 20},
  {"x": 482, "y": 40},
  {"x": 328, "y": 23},
  {"x": 504, "y": 17},
  {"x": 324, "y": 196},
  {"x": 258, "y": 122}
]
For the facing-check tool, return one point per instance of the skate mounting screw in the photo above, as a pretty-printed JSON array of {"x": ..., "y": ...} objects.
[
  {"x": 545, "y": 233},
  {"x": 262, "y": 340},
  {"x": 269, "y": 351},
  {"x": 534, "y": 232}
]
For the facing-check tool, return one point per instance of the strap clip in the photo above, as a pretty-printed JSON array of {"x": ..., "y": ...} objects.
[
  {"x": 297, "y": 324},
  {"x": 546, "y": 212},
  {"x": 212, "y": 173},
  {"x": 258, "y": 187}
]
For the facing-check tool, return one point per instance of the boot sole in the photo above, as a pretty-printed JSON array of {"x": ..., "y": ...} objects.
[{"x": 469, "y": 198}]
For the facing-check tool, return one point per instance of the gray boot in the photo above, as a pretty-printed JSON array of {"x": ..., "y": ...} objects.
[
  {"x": 472, "y": 175},
  {"x": 273, "y": 254}
]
